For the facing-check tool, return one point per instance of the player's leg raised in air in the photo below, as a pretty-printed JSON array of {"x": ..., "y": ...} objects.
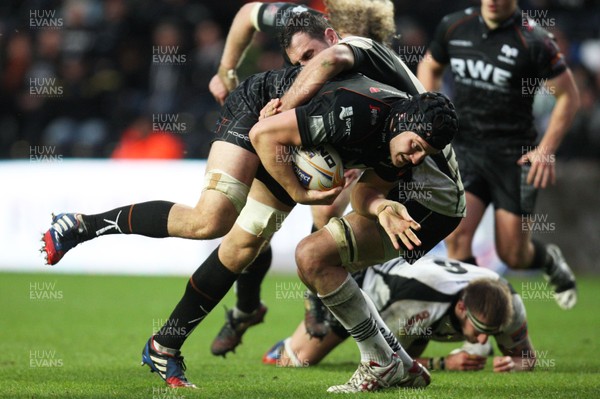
[{"x": 229, "y": 172}]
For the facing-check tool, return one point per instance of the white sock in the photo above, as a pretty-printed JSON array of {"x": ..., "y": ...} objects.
[
  {"x": 388, "y": 334},
  {"x": 348, "y": 305}
]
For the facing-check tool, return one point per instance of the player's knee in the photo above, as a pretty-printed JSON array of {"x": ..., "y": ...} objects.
[
  {"x": 514, "y": 257},
  {"x": 459, "y": 241},
  {"x": 309, "y": 265},
  {"x": 202, "y": 226}
]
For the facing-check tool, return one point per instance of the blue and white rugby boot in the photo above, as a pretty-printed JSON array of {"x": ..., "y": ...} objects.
[
  {"x": 167, "y": 363},
  {"x": 64, "y": 234}
]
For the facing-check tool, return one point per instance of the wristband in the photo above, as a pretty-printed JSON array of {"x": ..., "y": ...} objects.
[
  {"x": 229, "y": 77},
  {"x": 231, "y": 74},
  {"x": 438, "y": 362}
]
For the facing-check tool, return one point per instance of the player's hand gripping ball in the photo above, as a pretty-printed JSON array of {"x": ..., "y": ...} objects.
[{"x": 319, "y": 168}]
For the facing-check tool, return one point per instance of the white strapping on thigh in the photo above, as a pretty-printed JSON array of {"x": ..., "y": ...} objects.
[
  {"x": 232, "y": 188},
  {"x": 344, "y": 238}
]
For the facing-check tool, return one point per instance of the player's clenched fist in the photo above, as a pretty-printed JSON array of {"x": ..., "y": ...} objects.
[{"x": 503, "y": 363}]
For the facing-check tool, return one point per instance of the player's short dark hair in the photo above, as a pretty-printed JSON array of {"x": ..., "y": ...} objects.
[
  {"x": 314, "y": 25},
  {"x": 490, "y": 300}
]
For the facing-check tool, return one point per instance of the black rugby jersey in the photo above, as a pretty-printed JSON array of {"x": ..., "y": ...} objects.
[
  {"x": 350, "y": 113},
  {"x": 258, "y": 89},
  {"x": 496, "y": 74}
]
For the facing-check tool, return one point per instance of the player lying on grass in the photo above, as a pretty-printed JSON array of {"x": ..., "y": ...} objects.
[{"x": 435, "y": 299}]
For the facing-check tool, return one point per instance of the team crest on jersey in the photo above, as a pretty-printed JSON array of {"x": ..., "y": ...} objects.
[
  {"x": 346, "y": 112},
  {"x": 509, "y": 54}
]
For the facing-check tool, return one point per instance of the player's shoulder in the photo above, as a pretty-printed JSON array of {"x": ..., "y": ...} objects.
[
  {"x": 532, "y": 32},
  {"x": 458, "y": 18},
  {"x": 359, "y": 41}
]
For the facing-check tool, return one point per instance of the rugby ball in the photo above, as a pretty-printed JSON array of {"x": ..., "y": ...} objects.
[{"x": 319, "y": 168}]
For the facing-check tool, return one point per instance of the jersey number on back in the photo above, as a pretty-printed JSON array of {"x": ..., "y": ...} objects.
[{"x": 450, "y": 267}]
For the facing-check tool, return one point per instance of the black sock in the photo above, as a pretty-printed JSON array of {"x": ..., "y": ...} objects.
[
  {"x": 147, "y": 218},
  {"x": 205, "y": 289},
  {"x": 471, "y": 260},
  {"x": 541, "y": 257},
  {"x": 249, "y": 282}
]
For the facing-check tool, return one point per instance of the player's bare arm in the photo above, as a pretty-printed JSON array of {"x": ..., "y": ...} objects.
[
  {"x": 369, "y": 199},
  {"x": 239, "y": 37},
  {"x": 542, "y": 170},
  {"x": 318, "y": 70},
  {"x": 270, "y": 137},
  {"x": 430, "y": 73}
]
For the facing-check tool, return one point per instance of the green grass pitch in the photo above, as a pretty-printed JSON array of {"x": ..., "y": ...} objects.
[{"x": 81, "y": 336}]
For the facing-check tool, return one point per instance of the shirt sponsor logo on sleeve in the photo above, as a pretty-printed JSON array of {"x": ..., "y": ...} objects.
[{"x": 461, "y": 43}]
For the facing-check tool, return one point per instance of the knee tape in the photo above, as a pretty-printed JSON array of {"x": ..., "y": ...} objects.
[
  {"x": 260, "y": 219},
  {"x": 345, "y": 241},
  {"x": 232, "y": 188}
]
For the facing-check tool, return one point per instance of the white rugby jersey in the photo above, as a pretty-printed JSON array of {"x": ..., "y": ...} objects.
[{"x": 417, "y": 301}]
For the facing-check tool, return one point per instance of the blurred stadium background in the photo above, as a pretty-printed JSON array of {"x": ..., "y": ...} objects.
[{"x": 94, "y": 93}]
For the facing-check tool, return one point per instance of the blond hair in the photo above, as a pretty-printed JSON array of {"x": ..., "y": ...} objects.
[{"x": 367, "y": 18}]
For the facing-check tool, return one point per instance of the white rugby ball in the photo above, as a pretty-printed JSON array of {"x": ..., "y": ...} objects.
[{"x": 319, "y": 168}]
